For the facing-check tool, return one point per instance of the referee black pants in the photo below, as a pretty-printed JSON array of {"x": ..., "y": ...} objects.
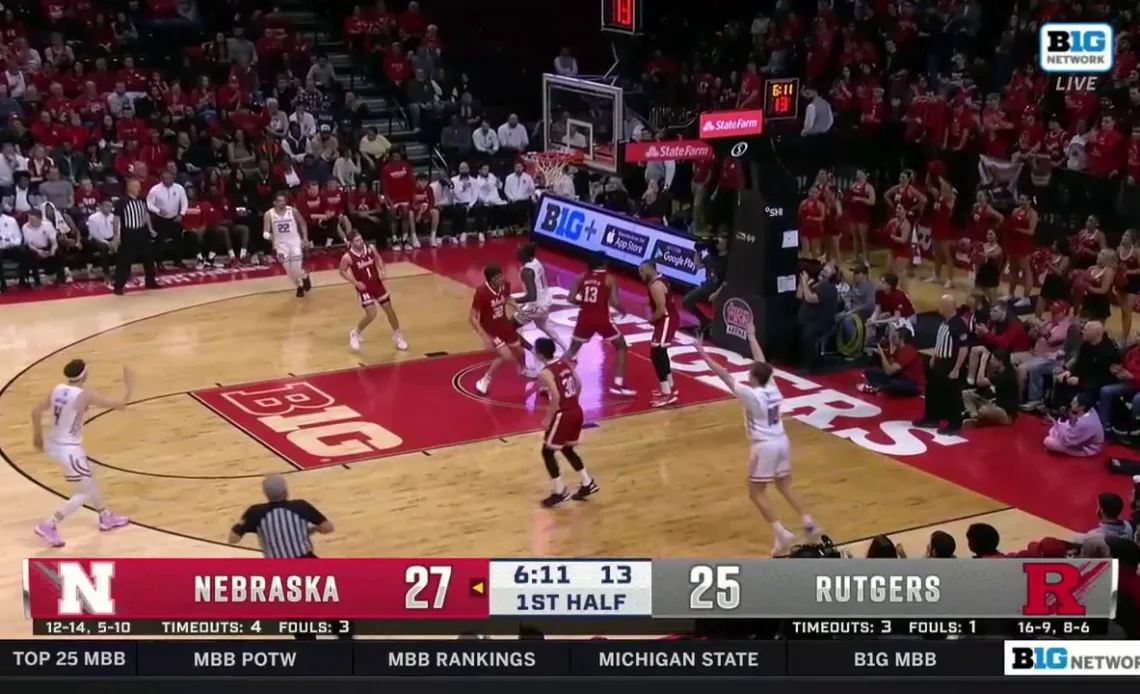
[
  {"x": 168, "y": 239},
  {"x": 136, "y": 244},
  {"x": 335, "y": 623},
  {"x": 943, "y": 395}
]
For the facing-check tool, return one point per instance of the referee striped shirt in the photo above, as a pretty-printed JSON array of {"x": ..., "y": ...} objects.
[
  {"x": 132, "y": 212},
  {"x": 282, "y": 527},
  {"x": 952, "y": 334}
]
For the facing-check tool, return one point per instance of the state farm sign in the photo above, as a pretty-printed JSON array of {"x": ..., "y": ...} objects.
[
  {"x": 731, "y": 124},
  {"x": 676, "y": 150}
]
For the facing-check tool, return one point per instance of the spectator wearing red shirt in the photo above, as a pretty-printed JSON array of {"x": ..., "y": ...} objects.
[
  {"x": 366, "y": 211},
  {"x": 892, "y": 303},
  {"x": 750, "y": 86},
  {"x": 47, "y": 131},
  {"x": 900, "y": 372},
  {"x": 130, "y": 75},
  {"x": 90, "y": 104},
  {"x": 56, "y": 103},
  {"x": 396, "y": 64},
  {"x": 398, "y": 181},
  {"x": 336, "y": 206},
  {"x": 127, "y": 159},
  {"x": 76, "y": 132},
  {"x": 197, "y": 221},
  {"x": 413, "y": 22},
  {"x": 130, "y": 128},
  {"x": 155, "y": 153},
  {"x": 725, "y": 195}
]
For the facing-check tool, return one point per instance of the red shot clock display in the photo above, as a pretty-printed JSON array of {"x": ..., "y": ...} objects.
[
  {"x": 782, "y": 99},
  {"x": 621, "y": 16}
]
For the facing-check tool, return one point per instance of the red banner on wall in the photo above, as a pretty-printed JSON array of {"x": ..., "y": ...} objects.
[
  {"x": 670, "y": 150},
  {"x": 257, "y": 588}
]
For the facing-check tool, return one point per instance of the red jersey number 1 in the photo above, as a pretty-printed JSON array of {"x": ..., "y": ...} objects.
[{"x": 420, "y": 579}]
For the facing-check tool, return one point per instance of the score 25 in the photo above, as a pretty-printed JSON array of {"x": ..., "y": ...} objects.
[{"x": 714, "y": 587}]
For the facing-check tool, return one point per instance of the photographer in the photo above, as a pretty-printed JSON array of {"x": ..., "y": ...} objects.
[
  {"x": 900, "y": 371},
  {"x": 714, "y": 259},
  {"x": 819, "y": 304}
]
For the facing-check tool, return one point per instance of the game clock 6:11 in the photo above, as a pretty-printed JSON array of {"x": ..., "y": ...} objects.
[
  {"x": 622, "y": 16},
  {"x": 782, "y": 99}
]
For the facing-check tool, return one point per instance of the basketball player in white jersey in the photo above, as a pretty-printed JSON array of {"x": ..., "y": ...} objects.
[
  {"x": 534, "y": 303},
  {"x": 770, "y": 460},
  {"x": 69, "y": 403},
  {"x": 286, "y": 229}
]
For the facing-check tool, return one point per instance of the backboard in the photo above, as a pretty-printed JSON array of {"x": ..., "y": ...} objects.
[{"x": 584, "y": 115}]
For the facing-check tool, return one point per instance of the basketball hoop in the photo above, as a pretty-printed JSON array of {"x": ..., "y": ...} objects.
[{"x": 549, "y": 168}]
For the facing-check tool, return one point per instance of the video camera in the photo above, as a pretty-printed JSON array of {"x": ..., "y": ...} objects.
[{"x": 824, "y": 549}]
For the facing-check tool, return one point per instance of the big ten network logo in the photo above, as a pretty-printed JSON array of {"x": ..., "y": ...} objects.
[
  {"x": 310, "y": 420},
  {"x": 674, "y": 256},
  {"x": 738, "y": 318},
  {"x": 565, "y": 222},
  {"x": 1076, "y": 47},
  {"x": 841, "y": 414},
  {"x": 625, "y": 240},
  {"x": 1039, "y": 658}
]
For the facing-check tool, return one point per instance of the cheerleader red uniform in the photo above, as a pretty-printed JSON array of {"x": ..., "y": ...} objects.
[
  {"x": 981, "y": 221},
  {"x": 1018, "y": 244},
  {"x": 830, "y": 212},
  {"x": 909, "y": 198},
  {"x": 855, "y": 206},
  {"x": 1086, "y": 247},
  {"x": 941, "y": 226},
  {"x": 811, "y": 219},
  {"x": 899, "y": 249},
  {"x": 1127, "y": 283}
]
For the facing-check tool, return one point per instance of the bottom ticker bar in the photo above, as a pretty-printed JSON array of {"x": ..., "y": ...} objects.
[{"x": 501, "y": 658}]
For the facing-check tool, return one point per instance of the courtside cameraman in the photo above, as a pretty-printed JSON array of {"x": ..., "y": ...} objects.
[{"x": 714, "y": 259}]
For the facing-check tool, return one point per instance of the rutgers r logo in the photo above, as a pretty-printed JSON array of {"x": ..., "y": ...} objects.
[
  {"x": 312, "y": 420},
  {"x": 1052, "y": 588}
]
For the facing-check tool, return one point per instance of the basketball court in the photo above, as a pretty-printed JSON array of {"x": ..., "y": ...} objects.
[{"x": 237, "y": 379}]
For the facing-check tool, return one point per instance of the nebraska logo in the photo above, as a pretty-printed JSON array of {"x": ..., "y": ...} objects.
[
  {"x": 731, "y": 124},
  {"x": 300, "y": 422},
  {"x": 678, "y": 150},
  {"x": 84, "y": 587}
]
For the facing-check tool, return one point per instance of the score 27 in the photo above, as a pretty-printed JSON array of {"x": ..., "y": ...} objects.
[{"x": 420, "y": 580}]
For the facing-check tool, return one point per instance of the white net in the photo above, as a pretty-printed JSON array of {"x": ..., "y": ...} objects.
[{"x": 549, "y": 170}]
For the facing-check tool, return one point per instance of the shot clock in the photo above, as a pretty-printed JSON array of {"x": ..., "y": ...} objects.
[
  {"x": 622, "y": 16},
  {"x": 782, "y": 99}
]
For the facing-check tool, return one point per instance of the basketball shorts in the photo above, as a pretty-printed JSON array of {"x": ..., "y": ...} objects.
[
  {"x": 374, "y": 294},
  {"x": 72, "y": 460},
  {"x": 770, "y": 460},
  {"x": 586, "y": 329},
  {"x": 288, "y": 248},
  {"x": 565, "y": 429},
  {"x": 664, "y": 331},
  {"x": 501, "y": 335}
]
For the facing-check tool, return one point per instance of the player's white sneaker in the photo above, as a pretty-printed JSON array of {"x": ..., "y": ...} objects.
[
  {"x": 463, "y": 238},
  {"x": 483, "y": 385},
  {"x": 354, "y": 341},
  {"x": 482, "y": 237},
  {"x": 401, "y": 343},
  {"x": 622, "y": 390},
  {"x": 783, "y": 543}
]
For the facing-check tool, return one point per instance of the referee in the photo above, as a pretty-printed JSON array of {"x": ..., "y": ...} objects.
[
  {"x": 943, "y": 378},
  {"x": 136, "y": 238},
  {"x": 283, "y": 528}
]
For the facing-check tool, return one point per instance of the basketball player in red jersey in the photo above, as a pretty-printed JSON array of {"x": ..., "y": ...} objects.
[
  {"x": 860, "y": 199},
  {"x": 1018, "y": 245},
  {"x": 664, "y": 318},
  {"x": 362, "y": 267},
  {"x": 594, "y": 293},
  {"x": 811, "y": 217},
  {"x": 942, "y": 231},
  {"x": 562, "y": 424},
  {"x": 490, "y": 320},
  {"x": 422, "y": 211}
]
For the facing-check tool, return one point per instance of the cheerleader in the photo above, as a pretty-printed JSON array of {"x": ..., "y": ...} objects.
[
  {"x": 1099, "y": 280},
  {"x": 1087, "y": 244},
  {"x": 859, "y": 201},
  {"x": 833, "y": 212},
  {"x": 987, "y": 271},
  {"x": 907, "y": 195},
  {"x": 983, "y": 217},
  {"x": 898, "y": 230},
  {"x": 812, "y": 216},
  {"x": 942, "y": 231},
  {"x": 1128, "y": 280},
  {"x": 1019, "y": 246},
  {"x": 1055, "y": 283}
]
